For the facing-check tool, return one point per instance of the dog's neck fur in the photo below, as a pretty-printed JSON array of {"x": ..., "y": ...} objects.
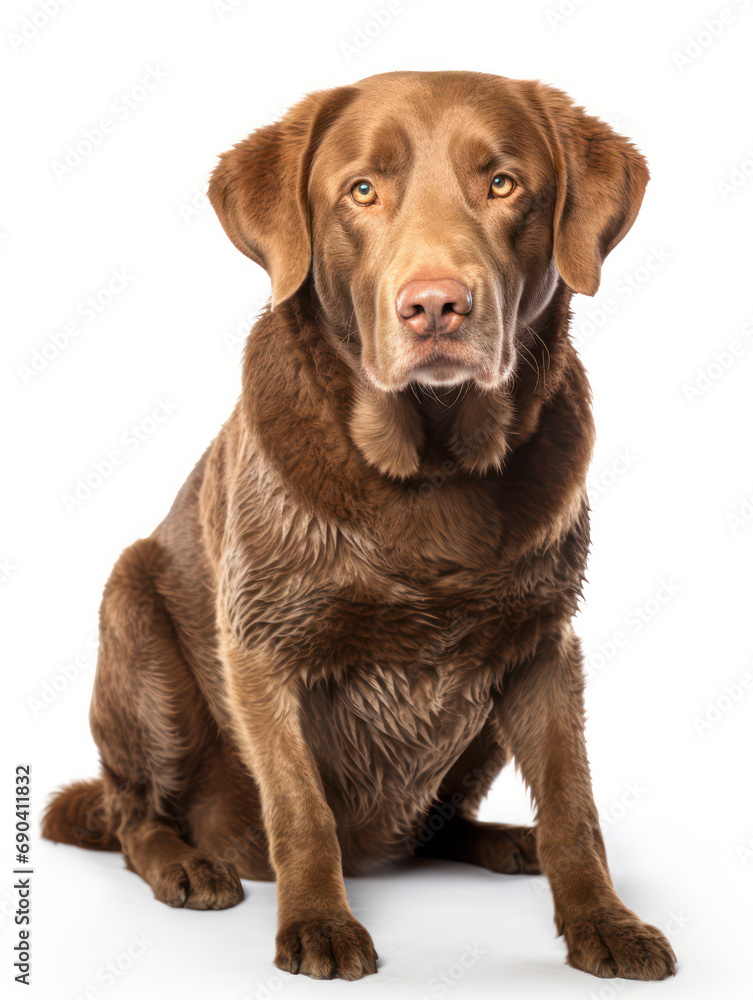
[{"x": 314, "y": 393}]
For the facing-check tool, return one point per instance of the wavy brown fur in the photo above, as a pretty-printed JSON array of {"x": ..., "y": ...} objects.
[{"x": 359, "y": 606}]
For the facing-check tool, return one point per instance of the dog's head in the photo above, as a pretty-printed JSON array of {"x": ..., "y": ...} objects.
[{"x": 435, "y": 213}]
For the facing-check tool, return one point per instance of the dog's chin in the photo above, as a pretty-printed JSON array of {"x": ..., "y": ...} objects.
[
  {"x": 435, "y": 373},
  {"x": 440, "y": 373}
]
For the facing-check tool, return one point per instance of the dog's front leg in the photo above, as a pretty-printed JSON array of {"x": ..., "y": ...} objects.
[
  {"x": 317, "y": 933},
  {"x": 541, "y": 714}
]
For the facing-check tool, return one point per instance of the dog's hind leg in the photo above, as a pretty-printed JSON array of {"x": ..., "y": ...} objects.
[
  {"x": 152, "y": 726},
  {"x": 451, "y": 830},
  {"x": 180, "y": 875},
  {"x": 500, "y": 847}
]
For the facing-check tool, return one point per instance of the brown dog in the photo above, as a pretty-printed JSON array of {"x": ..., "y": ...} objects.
[{"x": 359, "y": 606}]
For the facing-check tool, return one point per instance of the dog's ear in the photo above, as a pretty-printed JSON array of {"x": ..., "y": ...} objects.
[
  {"x": 259, "y": 190},
  {"x": 601, "y": 179}
]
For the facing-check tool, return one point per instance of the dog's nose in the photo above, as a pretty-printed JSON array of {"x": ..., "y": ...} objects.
[{"x": 434, "y": 307}]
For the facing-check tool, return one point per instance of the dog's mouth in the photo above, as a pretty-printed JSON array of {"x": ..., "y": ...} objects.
[
  {"x": 440, "y": 369},
  {"x": 436, "y": 369},
  {"x": 449, "y": 361}
]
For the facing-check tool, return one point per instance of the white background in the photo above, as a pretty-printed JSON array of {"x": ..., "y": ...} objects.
[{"x": 670, "y": 569}]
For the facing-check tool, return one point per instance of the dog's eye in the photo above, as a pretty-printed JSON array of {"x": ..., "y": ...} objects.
[
  {"x": 363, "y": 193},
  {"x": 502, "y": 186}
]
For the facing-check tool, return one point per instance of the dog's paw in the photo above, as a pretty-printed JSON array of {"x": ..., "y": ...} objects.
[
  {"x": 326, "y": 948},
  {"x": 615, "y": 943},
  {"x": 510, "y": 850},
  {"x": 198, "y": 883}
]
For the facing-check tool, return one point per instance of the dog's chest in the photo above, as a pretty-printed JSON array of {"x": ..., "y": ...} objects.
[
  {"x": 384, "y": 736},
  {"x": 411, "y": 582},
  {"x": 392, "y": 636},
  {"x": 397, "y": 673}
]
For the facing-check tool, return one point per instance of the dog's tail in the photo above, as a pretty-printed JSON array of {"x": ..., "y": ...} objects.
[{"x": 76, "y": 815}]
